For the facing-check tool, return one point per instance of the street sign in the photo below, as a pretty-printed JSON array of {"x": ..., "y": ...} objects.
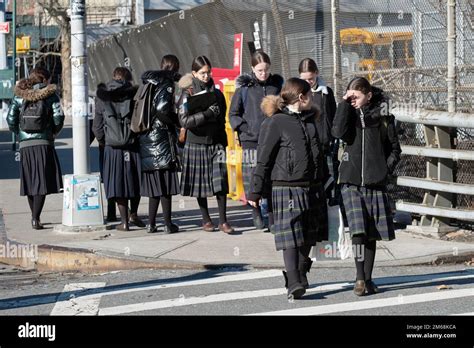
[
  {"x": 8, "y": 16},
  {"x": 4, "y": 27}
]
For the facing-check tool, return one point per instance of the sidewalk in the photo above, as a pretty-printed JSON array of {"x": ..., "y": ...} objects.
[{"x": 191, "y": 248}]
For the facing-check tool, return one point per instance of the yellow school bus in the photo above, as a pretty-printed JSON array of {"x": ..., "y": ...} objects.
[{"x": 379, "y": 47}]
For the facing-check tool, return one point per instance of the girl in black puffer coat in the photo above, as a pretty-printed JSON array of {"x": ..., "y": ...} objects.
[
  {"x": 158, "y": 152},
  {"x": 372, "y": 151},
  {"x": 289, "y": 151},
  {"x": 246, "y": 119}
]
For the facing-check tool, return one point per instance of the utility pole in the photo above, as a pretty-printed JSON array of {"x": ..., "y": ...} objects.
[
  {"x": 80, "y": 121},
  {"x": 3, "y": 49}
]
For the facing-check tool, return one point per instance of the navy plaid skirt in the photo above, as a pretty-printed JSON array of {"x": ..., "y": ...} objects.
[
  {"x": 368, "y": 212},
  {"x": 297, "y": 212},
  {"x": 159, "y": 183},
  {"x": 122, "y": 172},
  {"x": 204, "y": 172}
]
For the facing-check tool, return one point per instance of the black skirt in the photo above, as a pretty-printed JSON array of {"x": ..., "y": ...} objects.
[
  {"x": 122, "y": 171},
  {"x": 298, "y": 222},
  {"x": 159, "y": 183},
  {"x": 40, "y": 172},
  {"x": 204, "y": 172}
]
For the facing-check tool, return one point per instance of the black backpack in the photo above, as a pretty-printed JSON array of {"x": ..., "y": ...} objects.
[
  {"x": 117, "y": 119},
  {"x": 34, "y": 116}
]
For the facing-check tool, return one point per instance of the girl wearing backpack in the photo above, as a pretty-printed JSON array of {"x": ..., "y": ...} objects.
[
  {"x": 158, "y": 150},
  {"x": 246, "y": 118},
  {"x": 122, "y": 169},
  {"x": 36, "y": 117},
  {"x": 371, "y": 153},
  {"x": 204, "y": 172},
  {"x": 290, "y": 151}
]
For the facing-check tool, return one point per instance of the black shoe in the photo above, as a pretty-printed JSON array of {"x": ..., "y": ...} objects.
[
  {"x": 151, "y": 229},
  {"x": 134, "y": 219},
  {"x": 170, "y": 229},
  {"x": 36, "y": 224},
  {"x": 304, "y": 268},
  {"x": 257, "y": 220},
  {"x": 293, "y": 284},
  {"x": 371, "y": 288}
]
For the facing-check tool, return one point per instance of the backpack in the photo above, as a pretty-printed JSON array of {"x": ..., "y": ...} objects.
[
  {"x": 34, "y": 116},
  {"x": 141, "y": 118},
  {"x": 117, "y": 119}
]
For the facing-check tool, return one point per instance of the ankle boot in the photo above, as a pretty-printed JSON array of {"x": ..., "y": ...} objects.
[
  {"x": 293, "y": 284},
  {"x": 304, "y": 267}
]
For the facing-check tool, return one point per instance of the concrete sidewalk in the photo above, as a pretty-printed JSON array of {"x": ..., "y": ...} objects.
[{"x": 190, "y": 248}]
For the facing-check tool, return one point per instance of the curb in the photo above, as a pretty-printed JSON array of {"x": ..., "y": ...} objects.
[{"x": 52, "y": 258}]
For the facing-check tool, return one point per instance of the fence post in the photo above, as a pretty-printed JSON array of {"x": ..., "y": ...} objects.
[{"x": 336, "y": 44}]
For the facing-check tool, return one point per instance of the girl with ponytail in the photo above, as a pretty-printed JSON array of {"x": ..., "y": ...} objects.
[{"x": 290, "y": 152}]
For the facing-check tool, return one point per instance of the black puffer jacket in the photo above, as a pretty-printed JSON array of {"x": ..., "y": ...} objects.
[
  {"x": 158, "y": 146},
  {"x": 112, "y": 92},
  {"x": 247, "y": 119},
  {"x": 204, "y": 127},
  {"x": 289, "y": 149},
  {"x": 372, "y": 149}
]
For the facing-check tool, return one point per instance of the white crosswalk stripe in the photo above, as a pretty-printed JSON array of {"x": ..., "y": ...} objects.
[{"x": 88, "y": 304}]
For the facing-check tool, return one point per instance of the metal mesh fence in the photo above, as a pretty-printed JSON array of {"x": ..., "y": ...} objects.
[{"x": 400, "y": 45}]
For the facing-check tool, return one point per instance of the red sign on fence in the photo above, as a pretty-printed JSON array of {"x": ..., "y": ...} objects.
[{"x": 222, "y": 75}]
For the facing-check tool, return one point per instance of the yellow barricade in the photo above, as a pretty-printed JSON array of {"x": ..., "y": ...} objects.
[{"x": 233, "y": 151}]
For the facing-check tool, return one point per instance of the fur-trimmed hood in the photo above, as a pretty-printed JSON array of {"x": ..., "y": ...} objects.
[
  {"x": 186, "y": 81},
  {"x": 116, "y": 91},
  {"x": 158, "y": 75},
  {"x": 249, "y": 79},
  {"x": 38, "y": 92}
]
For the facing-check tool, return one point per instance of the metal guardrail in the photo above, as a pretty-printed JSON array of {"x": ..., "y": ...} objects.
[{"x": 437, "y": 208}]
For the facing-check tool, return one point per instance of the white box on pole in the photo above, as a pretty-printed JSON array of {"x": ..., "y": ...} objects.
[{"x": 82, "y": 202}]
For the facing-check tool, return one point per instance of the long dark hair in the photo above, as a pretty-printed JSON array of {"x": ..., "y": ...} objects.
[
  {"x": 200, "y": 62},
  {"x": 360, "y": 84},
  {"x": 122, "y": 74},
  {"x": 170, "y": 62},
  {"x": 37, "y": 75}
]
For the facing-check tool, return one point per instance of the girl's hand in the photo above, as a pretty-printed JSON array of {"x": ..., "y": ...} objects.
[{"x": 254, "y": 204}]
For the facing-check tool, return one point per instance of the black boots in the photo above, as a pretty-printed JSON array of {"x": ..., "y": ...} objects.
[
  {"x": 36, "y": 224},
  {"x": 293, "y": 283},
  {"x": 304, "y": 267}
]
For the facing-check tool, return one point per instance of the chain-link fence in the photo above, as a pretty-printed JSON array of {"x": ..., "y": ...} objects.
[{"x": 400, "y": 45}]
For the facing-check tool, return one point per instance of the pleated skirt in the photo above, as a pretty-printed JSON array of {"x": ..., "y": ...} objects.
[
  {"x": 159, "y": 183},
  {"x": 122, "y": 173},
  {"x": 368, "y": 212},
  {"x": 204, "y": 170},
  {"x": 40, "y": 171},
  {"x": 298, "y": 221}
]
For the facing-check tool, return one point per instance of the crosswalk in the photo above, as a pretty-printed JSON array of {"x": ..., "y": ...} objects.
[{"x": 88, "y": 298}]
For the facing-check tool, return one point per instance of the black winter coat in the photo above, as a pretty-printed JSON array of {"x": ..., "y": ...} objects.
[
  {"x": 372, "y": 149},
  {"x": 289, "y": 149},
  {"x": 158, "y": 146},
  {"x": 247, "y": 119},
  {"x": 112, "y": 92},
  {"x": 204, "y": 127}
]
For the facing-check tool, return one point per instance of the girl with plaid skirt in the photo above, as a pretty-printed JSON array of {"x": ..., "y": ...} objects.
[
  {"x": 371, "y": 153},
  {"x": 289, "y": 149},
  {"x": 204, "y": 169}
]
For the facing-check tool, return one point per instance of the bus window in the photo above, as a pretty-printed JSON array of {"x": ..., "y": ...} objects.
[
  {"x": 364, "y": 51},
  {"x": 399, "y": 59},
  {"x": 382, "y": 52}
]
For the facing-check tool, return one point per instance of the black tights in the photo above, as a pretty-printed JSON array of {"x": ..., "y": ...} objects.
[
  {"x": 293, "y": 256},
  {"x": 122, "y": 204},
  {"x": 364, "y": 255},
  {"x": 222, "y": 205},
  {"x": 153, "y": 209},
  {"x": 36, "y": 204}
]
